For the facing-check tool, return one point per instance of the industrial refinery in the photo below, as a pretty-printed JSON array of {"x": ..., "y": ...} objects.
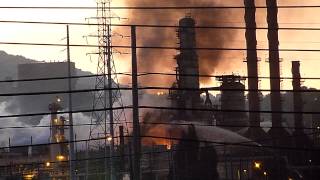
[{"x": 62, "y": 123}]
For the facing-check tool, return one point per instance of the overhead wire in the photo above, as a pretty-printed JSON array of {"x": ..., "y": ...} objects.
[
  {"x": 163, "y": 26},
  {"x": 155, "y": 47},
  {"x": 174, "y": 124},
  {"x": 158, "y": 108},
  {"x": 141, "y": 74},
  {"x": 217, "y": 143},
  {"x": 153, "y": 88},
  {"x": 159, "y": 7},
  {"x": 159, "y": 47}
]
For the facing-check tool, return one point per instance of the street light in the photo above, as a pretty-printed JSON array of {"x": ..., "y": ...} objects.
[
  {"x": 109, "y": 138},
  {"x": 257, "y": 165},
  {"x": 60, "y": 158},
  {"x": 58, "y": 99},
  {"x": 48, "y": 164}
]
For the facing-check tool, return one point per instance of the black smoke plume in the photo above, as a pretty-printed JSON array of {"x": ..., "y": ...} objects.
[{"x": 163, "y": 60}]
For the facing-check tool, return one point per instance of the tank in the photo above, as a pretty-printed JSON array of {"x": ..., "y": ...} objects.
[{"x": 232, "y": 98}]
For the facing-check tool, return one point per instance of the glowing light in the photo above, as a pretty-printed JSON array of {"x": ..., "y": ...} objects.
[
  {"x": 58, "y": 99},
  {"x": 160, "y": 93},
  {"x": 265, "y": 173},
  {"x": 29, "y": 176},
  {"x": 60, "y": 158},
  {"x": 245, "y": 171},
  {"x": 257, "y": 165},
  {"x": 290, "y": 178},
  {"x": 56, "y": 121},
  {"x": 48, "y": 164},
  {"x": 318, "y": 127},
  {"x": 168, "y": 146},
  {"x": 109, "y": 138}
]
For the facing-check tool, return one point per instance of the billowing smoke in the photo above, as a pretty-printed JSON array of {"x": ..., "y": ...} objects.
[
  {"x": 40, "y": 135},
  {"x": 163, "y": 60}
]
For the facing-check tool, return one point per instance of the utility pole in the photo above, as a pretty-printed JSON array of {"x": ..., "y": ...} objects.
[
  {"x": 71, "y": 136},
  {"x": 135, "y": 110},
  {"x": 110, "y": 100}
]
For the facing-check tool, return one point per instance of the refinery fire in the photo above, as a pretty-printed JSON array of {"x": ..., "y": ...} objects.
[{"x": 175, "y": 125}]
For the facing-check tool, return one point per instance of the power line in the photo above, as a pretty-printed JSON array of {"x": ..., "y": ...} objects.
[
  {"x": 156, "y": 107},
  {"x": 153, "y": 88},
  {"x": 57, "y": 78},
  {"x": 224, "y": 126},
  {"x": 166, "y": 124},
  {"x": 226, "y": 89},
  {"x": 62, "y": 112},
  {"x": 59, "y": 92},
  {"x": 157, "y": 7},
  {"x": 130, "y": 154},
  {"x": 223, "y": 110},
  {"x": 159, "y": 47},
  {"x": 163, "y": 26},
  {"x": 218, "y": 143},
  {"x": 148, "y": 74},
  {"x": 141, "y": 74},
  {"x": 215, "y": 76}
]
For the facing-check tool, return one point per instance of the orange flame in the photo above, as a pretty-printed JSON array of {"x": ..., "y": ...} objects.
[{"x": 163, "y": 135}]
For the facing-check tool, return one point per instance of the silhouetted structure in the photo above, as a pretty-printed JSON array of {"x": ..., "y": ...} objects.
[
  {"x": 254, "y": 131},
  {"x": 301, "y": 139},
  {"x": 232, "y": 99},
  {"x": 194, "y": 161},
  {"x": 278, "y": 135},
  {"x": 187, "y": 71}
]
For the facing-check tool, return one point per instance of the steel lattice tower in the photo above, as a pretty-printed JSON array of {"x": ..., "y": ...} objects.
[{"x": 107, "y": 94}]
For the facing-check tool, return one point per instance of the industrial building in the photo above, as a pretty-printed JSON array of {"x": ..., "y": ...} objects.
[
  {"x": 216, "y": 141},
  {"x": 231, "y": 113}
]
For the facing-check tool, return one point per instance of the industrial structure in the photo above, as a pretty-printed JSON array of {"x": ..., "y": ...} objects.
[
  {"x": 187, "y": 96},
  {"x": 42, "y": 162},
  {"x": 103, "y": 122},
  {"x": 59, "y": 146},
  {"x": 232, "y": 98},
  {"x": 213, "y": 141},
  {"x": 253, "y": 132},
  {"x": 275, "y": 76},
  {"x": 301, "y": 140}
]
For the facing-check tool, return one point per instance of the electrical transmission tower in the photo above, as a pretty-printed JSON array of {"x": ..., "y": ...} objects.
[{"x": 104, "y": 120}]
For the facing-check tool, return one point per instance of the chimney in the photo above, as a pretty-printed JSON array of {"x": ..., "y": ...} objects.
[
  {"x": 301, "y": 140},
  {"x": 279, "y": 135},
  {"x": 254, "y": 131},
  {"x": 297, "y": 99},
  {"x": 274, "y": 61}
]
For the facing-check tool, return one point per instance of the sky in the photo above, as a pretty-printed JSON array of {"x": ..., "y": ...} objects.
[{"x": 80, "y": 35}]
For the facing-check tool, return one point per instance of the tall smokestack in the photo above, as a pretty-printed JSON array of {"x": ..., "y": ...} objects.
[
  {"x": 274, "y": 65},
  {"x": 188, "y": 67},
  {"x": 254, "y": 131},
  {"x": 301, "y": 140},
  {"x": 297, "y": 98}
]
